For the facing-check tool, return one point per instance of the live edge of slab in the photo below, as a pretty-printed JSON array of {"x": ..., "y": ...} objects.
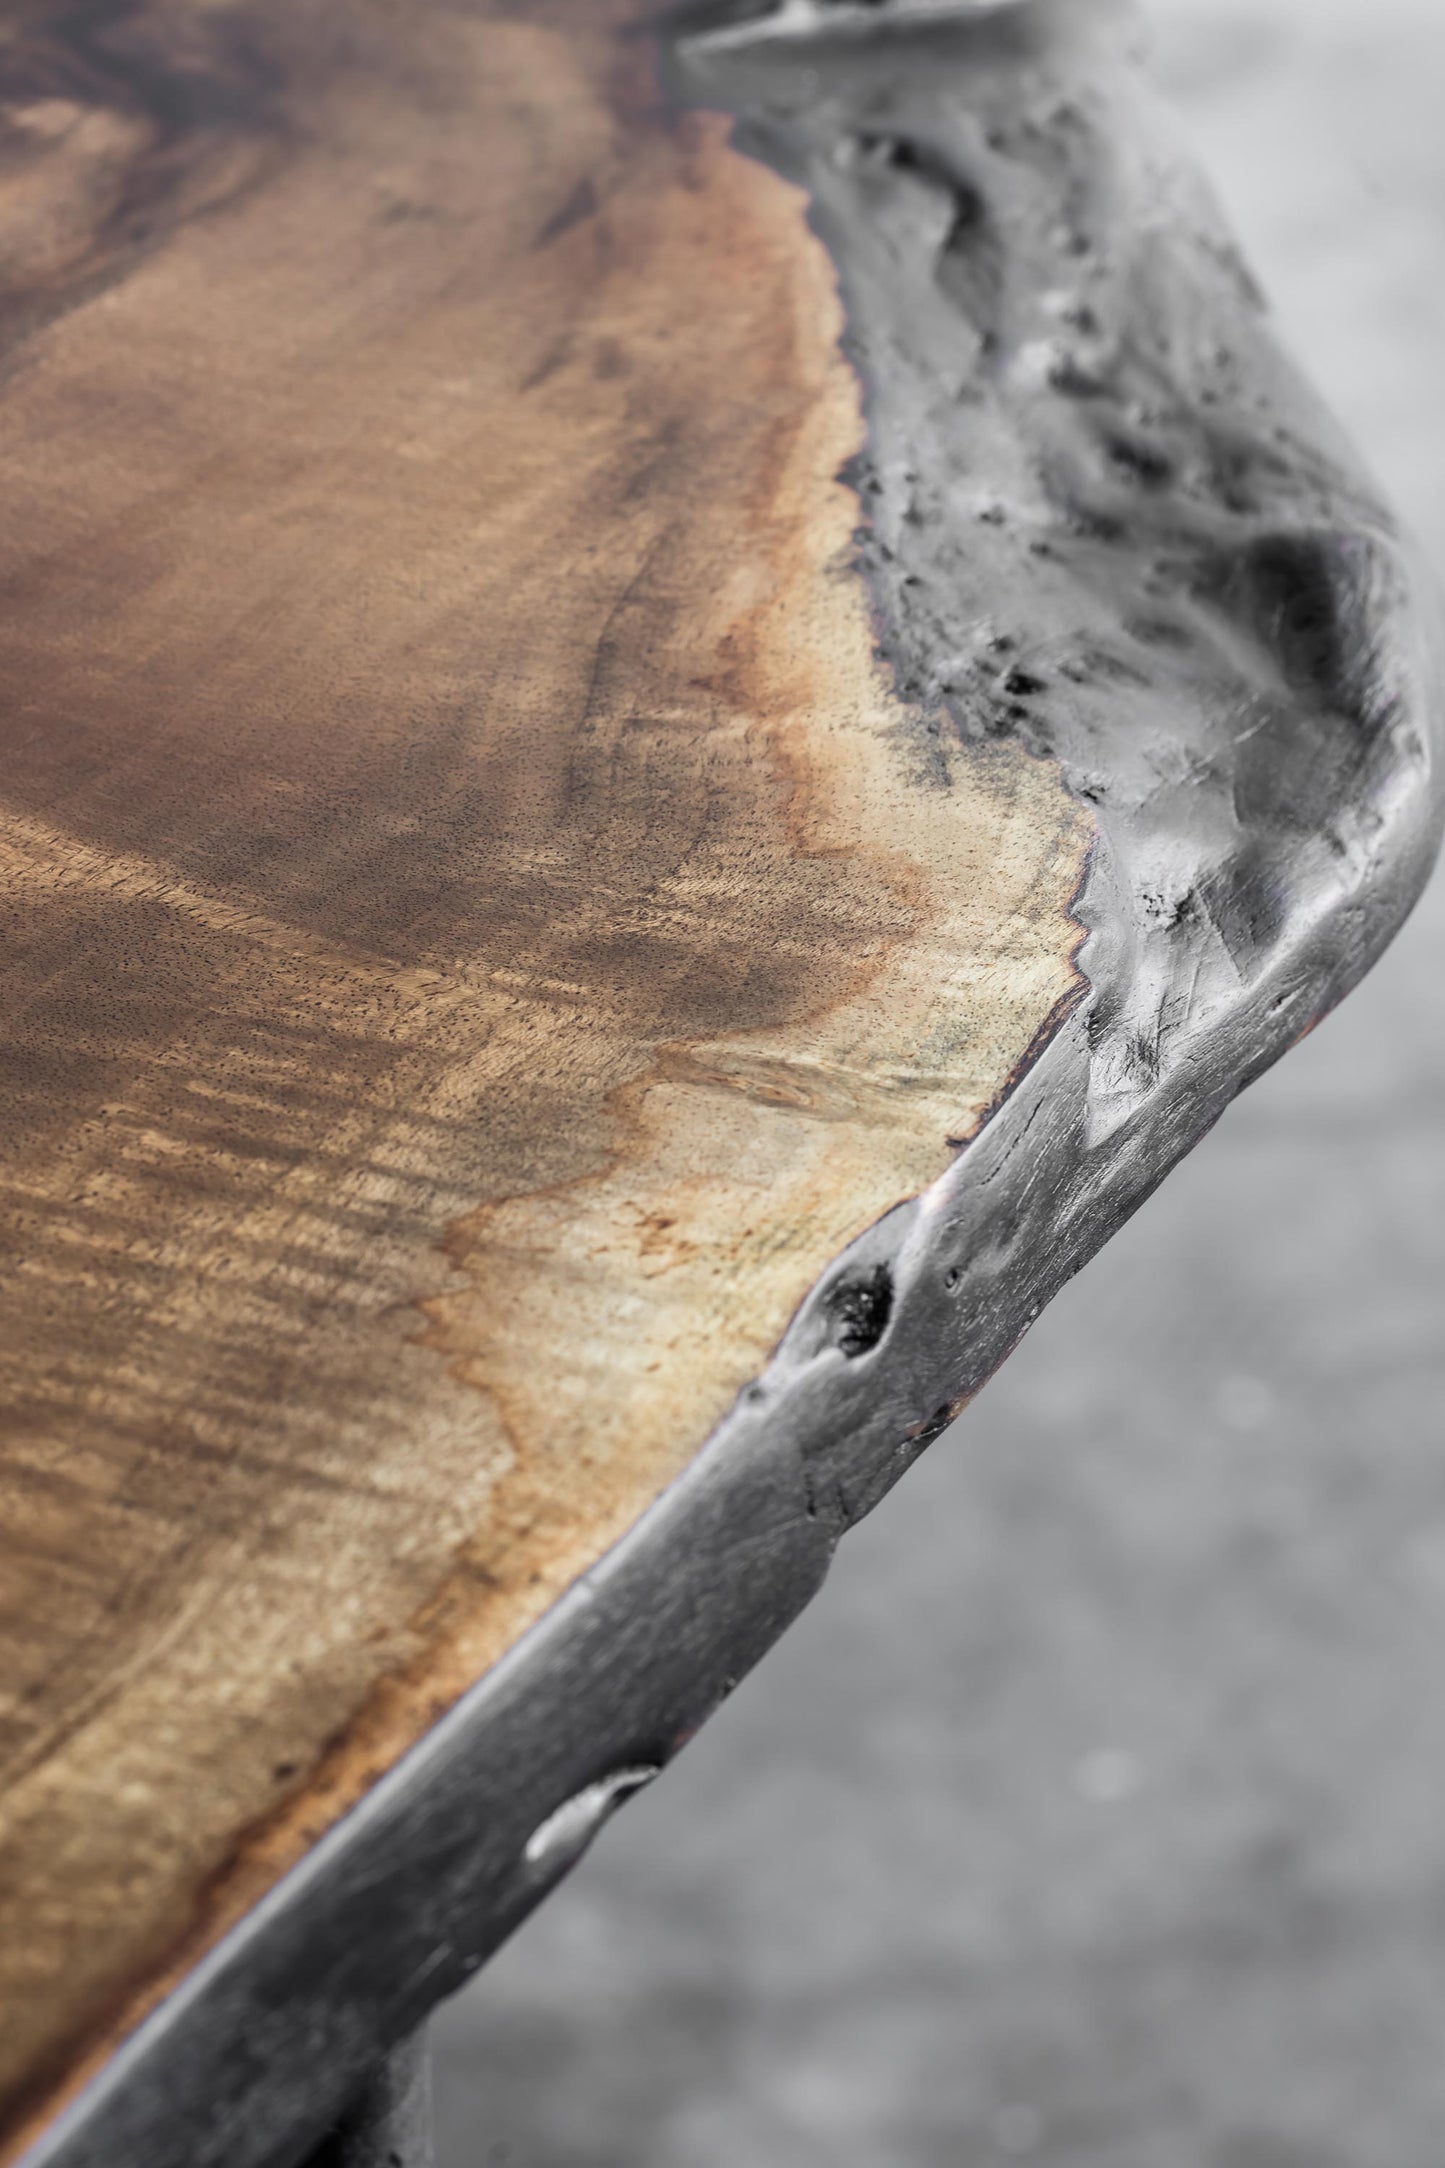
[{"x": 629, "y": 824}]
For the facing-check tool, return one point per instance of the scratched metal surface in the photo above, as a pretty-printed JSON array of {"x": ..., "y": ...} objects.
[{"x": 1091, "y": 1817}]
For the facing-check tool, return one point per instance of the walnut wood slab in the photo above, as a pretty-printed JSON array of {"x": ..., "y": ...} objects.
[{"x": 679, "y": 698}]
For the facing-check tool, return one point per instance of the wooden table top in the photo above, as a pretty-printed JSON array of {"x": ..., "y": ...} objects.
[{"x": 530, "y": 823}]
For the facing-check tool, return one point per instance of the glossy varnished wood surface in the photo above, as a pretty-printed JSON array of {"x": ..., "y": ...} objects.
[{"x": 477, "y": 939}]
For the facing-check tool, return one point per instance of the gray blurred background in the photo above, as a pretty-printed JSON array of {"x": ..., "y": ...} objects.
[{"x": 1095, "y": 1814}]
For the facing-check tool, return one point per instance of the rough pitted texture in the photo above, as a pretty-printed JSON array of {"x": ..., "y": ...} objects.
[{"x": 1105, "y": 517}]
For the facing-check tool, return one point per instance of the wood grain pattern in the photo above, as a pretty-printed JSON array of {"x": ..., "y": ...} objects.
[{"x": 477, "y": 939}]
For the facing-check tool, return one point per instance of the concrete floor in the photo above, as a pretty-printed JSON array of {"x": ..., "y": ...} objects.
[{"x": 1095, "y": 1815}]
